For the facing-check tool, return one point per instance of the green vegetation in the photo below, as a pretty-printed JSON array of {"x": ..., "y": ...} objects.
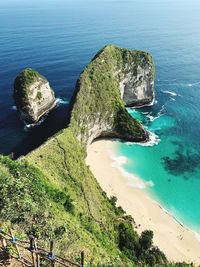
[
  {"x": 126, "y": 127},
  {"x": 97, "y": 101},
  {"x": 39, "y": 95},
  {"x": 22, "y": 81},
  {"x": 52, "y": 194},
  {"x": 61, "y": 200}
]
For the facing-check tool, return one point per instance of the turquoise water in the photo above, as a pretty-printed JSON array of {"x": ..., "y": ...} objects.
[
  {"x": 169, "y": 163},
  {"x": 59, "y": 37}
]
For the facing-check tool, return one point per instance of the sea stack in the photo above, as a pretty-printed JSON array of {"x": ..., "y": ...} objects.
[
  {"x": 115, "y": 78},
  {"x": 33, "y": 96}
]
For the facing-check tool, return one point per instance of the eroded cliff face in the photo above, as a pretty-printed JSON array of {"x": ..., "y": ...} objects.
[
  {"x": 33, "y": 96},
  {"x": 115, "y": 77},
  {"x": 137, "y": 83}
]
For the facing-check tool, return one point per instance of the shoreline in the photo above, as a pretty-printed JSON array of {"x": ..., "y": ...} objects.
[{"x": 178, "y": 242}]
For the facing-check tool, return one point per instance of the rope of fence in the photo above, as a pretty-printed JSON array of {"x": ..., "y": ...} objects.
[{"x": 36, "y": 253}]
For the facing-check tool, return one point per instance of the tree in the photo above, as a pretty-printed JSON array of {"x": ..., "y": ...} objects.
[{"x": 146, "y": 240}]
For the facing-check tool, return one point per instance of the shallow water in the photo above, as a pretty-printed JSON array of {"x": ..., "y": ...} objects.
[
  {"x": 170, "y": 162},
  {"x": 58, "y": 38}
]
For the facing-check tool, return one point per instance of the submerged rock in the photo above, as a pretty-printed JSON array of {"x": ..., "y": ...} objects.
[
  {"x": 115, "y": 77},
  {"x": 33, "y": 96}
]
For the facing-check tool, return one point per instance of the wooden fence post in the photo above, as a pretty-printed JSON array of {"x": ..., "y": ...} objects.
[
  {"x": 51, "y": 254},
  {"x": 15, "y": 245},
  {"x": 37, "y": 254},
  {"x": 3, "y": 243},
  {"x": 32, "y": 250},
  {"x": 6, "y": 254},
  {"x": 82, "y": 258}
]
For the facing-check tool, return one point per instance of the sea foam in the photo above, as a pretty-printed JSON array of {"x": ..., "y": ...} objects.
[
  {"x": 192, "y": 84},
  {"x": 132, "y": 180},
  {"x": 170, "y": 93},
  {"x": 153, "y": 140},
  {"x": 28, "y": 127},
  {"x": 152, "y": 118},
  {"x": 14, "y": 108},
  {"x": 147, "y": 105},
  {"x": 197, "y": 235},
  {"x": 169, "y": 80},
  {"x": 60, "y": 101}
]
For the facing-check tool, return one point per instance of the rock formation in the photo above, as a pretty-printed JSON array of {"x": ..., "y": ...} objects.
[
  {"x": 115, "y": 77},
  {"x": 137, "y": 78},
  {"x": 33, "y": 96}
]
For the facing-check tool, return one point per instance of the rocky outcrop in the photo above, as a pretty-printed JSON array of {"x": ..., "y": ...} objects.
[
  {"x": 115, "y": 77},
  {"x": 137, "y": 80},
  {"x": 33, "y": 96}
]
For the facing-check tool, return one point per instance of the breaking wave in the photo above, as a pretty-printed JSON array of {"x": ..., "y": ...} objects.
[
  {"x": 169, "y": 80},
  {"x": 147, "y": 105},
  {"x": 28, "y": 127},
  {"x": 14, "y": 108},
  {"x": 170, "y": 93},
  {"x": 192, "y": 84},
  {"x": 60, "y": 101},
  {"x": 133, "y": 180},
  {"x": 153, "y": 140},
  {"x": 160, "y": 114}
]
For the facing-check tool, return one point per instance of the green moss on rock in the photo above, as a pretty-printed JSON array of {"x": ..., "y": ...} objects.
[
  {"x": 21, "y": 85},
  {"x": 33, "y": 96},
  {"x": 97, "y": 107}
]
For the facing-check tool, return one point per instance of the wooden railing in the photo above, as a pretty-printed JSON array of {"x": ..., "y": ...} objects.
[{"x": 27, "y": 253}]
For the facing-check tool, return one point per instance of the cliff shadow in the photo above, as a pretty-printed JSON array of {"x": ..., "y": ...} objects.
[{"x": 56, "y": 120}]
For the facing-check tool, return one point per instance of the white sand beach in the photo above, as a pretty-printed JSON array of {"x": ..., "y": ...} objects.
[{"x": 175, "y": 240}]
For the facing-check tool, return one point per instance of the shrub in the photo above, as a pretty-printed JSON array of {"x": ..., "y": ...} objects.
[
  {"x": 128, "y": 239},
  {"x": 146, "y": 240}
]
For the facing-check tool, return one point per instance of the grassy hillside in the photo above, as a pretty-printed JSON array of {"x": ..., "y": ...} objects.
[{"x": 52, "y": 194}]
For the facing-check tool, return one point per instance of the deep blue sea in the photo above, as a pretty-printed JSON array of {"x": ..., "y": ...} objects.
[{"x": 58, "y": 38}]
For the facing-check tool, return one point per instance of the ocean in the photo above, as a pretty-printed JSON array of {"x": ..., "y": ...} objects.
[{"x": 58, "y": 38}]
